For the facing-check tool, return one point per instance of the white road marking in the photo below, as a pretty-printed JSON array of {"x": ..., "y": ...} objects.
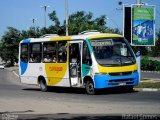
[{"x": 15, "y": 74}]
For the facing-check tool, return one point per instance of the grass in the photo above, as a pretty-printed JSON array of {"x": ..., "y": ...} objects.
[{"x": 149, "y": 85}]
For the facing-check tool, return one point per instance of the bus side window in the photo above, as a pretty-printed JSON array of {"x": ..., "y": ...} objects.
[
  {"x": 86, "y": 59},
  {"x": 35, "y": 53},
  {"x": 24, "y": 53},
  {"x": 62, "y": 51},
  {"x": 49, "y": 52}
]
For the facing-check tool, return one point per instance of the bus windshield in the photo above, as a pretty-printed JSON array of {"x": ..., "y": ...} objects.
[{"x": 112, "y": 52}]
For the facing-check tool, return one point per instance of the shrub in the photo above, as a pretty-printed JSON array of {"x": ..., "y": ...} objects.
[{"x": 150, "y": 65}]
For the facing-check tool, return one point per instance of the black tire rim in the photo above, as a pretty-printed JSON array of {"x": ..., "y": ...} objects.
[
  {"x": 42, "y": 85},
  {"x": 90, "y": 88}
]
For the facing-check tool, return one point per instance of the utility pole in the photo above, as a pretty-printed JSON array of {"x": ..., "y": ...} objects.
[
  {"x": 139, "y": 3},
  {"x": 45, "y": 11},
  {"x": 33, "y": 22},
  {"x": 66, "y": 9}
]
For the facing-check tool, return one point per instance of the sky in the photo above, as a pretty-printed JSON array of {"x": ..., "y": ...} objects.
[{"x": 19, "y": 13}]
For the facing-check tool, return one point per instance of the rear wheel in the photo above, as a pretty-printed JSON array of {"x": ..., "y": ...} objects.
[
  {"x": 43, "y": 85},
  {"x": 90, "y": 88}
]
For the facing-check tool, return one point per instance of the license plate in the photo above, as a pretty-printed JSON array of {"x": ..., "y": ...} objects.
[{"x": 122, "y": 83}]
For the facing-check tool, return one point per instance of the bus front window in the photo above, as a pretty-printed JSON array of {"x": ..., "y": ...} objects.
[{"x": 112, "y": 52}]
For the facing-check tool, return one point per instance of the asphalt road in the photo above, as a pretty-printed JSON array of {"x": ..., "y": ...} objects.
[{"x": 26, "y": 100}]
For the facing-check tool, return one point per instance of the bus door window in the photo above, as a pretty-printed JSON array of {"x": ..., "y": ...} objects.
[
  {"x": 62, "y": 51},
  {"x": 74, "y": 59},
  {"x": 49, "y": 52},
  {"x": 86, "y": 59},
  {"x": 75, "y": 53},
  {"x": 35, "y": 53},
  {"x": 24, "y": 53}
]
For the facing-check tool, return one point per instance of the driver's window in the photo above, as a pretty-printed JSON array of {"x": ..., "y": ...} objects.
[{"x": 86, "y": 55}]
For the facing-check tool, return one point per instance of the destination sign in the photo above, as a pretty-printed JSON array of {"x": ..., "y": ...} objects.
[{"x": 106, "y": 42}]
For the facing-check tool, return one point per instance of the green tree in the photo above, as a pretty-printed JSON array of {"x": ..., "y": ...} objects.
[
  {"x": 156, "y": 49},
  {"x": 82, "y": 21},
  {"x": 9, "y": 45},
  {"x": 56, "y": 28},
  {"x": 78, "y": 22},
  {"x": 53, "y": 17}
]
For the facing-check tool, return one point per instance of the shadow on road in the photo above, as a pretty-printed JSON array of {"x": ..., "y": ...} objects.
[
  {"x": 59, "y": 116},
  {"x": 71, "y": 117},
  {"x": 82, "y": 91},
  {"x": 31, "y": 89},
  {"x": 67, "y": 116}
]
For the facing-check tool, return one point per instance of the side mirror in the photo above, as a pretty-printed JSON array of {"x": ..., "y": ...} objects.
[{"x": 138, "y": 54}]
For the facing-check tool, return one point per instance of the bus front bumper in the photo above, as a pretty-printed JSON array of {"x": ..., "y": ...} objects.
[{"x": 108, "y": 81}]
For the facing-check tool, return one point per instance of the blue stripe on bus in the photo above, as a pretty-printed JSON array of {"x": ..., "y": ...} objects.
[
  {"x": 107, "y": 81},
  {"x": 22, "y": 64},
  {"x": 23, "y": 67},
  {"x": 26, "y": 41}
]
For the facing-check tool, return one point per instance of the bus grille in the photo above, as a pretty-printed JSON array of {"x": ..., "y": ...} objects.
[
  {"x": 129, "y": 81},
  {"x": 120, "y": 73}
]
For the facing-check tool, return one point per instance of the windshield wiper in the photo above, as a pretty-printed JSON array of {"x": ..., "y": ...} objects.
[{"x": 129, "y": 58}]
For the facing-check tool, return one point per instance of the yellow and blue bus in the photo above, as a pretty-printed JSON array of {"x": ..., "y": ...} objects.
[{"x": 90, "y": 60}]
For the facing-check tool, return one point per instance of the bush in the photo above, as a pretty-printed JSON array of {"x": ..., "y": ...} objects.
[
  {"x": 150, "y": 65},
  {"x": 9, "y": 65}
]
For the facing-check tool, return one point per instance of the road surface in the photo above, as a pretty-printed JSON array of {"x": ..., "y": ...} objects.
[{"x": 20, "y": 99}]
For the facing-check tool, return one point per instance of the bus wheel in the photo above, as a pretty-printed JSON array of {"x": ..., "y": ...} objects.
[
  {"x": 43, "y": 85},
  {"x": 90, "y": 88}
]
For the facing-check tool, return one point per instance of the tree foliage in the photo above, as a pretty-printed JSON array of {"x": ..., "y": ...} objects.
[
  {"x": 9, "y": 45},
  {"x": 156, "y": 48},
  {"x": 10, "y": 42},
  {"x": 82, "y": 21},
  {"x": 54, "y": 18}
]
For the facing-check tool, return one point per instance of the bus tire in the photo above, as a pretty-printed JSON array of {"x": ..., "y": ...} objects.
[
  {"x": 43, "y": 85},
  {"x": 90, "y": 87}
]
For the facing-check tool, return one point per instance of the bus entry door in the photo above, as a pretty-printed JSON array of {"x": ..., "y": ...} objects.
[{"x": 75, "y": 64}]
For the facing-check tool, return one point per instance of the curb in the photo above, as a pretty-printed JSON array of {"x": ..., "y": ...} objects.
[
  {"x": 158, "y": 72},
  {"x": 148, "y": 89},
  {"x": 150, "y": 81}
]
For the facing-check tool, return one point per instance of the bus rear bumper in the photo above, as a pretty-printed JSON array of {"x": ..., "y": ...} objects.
[{"x": 107, "y": 81}]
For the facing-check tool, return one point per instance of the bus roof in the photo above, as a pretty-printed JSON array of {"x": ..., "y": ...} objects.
[{"x": 73, "y": 37}]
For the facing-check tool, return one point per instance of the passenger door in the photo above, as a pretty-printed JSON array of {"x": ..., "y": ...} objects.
[{"x": 75, "y": 61}]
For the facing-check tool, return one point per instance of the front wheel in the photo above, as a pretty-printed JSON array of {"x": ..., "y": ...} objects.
[
  {"x": 90, "y": 88},
  {"x": 43, "y": 86}
]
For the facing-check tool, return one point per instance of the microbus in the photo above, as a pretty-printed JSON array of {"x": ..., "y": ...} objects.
[{"x": 90, "y": 60}]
